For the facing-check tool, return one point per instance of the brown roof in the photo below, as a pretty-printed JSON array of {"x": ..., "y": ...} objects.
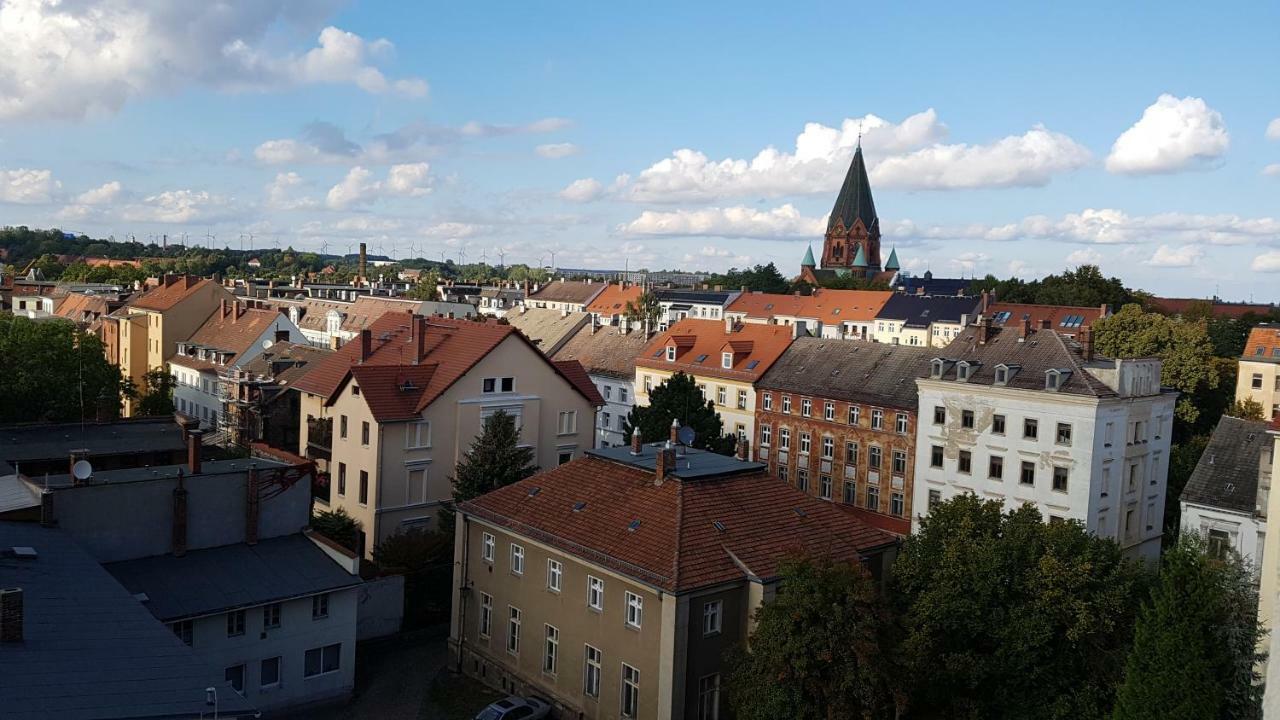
[
  {"x": 706, "y": 339},
  {"x": 547, "y": 328},
  {"x": 173, "y": 290},
  {"x": 832, "y": 307},
  {"x": 450, "y": 347},
  {"x": 286, "y": 362},
  {"x": 566, "y": 291},
  {"x": 1062, "y": 318},
  {"x": 1041, "y": 351},
  {"x": 668, "y": 535},
  {"x": 82, "y": 308},
  {"x": 361, "y": 313},
  {"x": 1179, "y": 306},
  {"x": 573, "y": 371},
  {"x": 312, "y": 312},
  {"x": 851, "y": 370},
  {"x": 613, "y": 299},
  {"x": 232, "y": 327},
  {"x": 1263, "y": 344},
  {"x": 607, "y": 351}
]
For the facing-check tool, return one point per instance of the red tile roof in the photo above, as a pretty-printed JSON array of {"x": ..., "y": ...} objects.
[
  {"x": 677, "y": 545},
  {"x": 1263, "y": 344},
  {"x": 613, "y": 299},
  {"x": 695, "y": 338},
  {"x": 573, "y": 371},
  {"x": 1180, "y": 306},
  {"x": 832, "y": 307},
  {"x": 173, "y": 290},
  {"x": 82, "y": 308},
  {"x": 1055, "y": 314}
]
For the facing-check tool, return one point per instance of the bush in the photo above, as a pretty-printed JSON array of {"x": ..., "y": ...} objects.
[{"x": 338, "y": 526}]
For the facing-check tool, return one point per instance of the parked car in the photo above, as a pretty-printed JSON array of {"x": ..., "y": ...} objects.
[{"x": 515, "y": 708}]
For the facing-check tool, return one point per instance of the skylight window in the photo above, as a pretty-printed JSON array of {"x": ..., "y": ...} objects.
[
  {"x": 700, "y": 358},
  {"x": 752, "y": 365},
  {"x": 1002, "y": 316},
  {"x": 718, "y": 525},
  {"x": 635, "y": 525},
  {"x": 534, "y": 491},
  {"x": 578, "y": 506}
]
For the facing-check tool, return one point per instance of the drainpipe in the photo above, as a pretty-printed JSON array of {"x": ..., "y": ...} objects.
[{"x": 462, "y": 605}]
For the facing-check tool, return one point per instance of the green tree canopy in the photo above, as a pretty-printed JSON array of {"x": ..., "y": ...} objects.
[
  {"x": 1085, "y": 286},
  {"x": 1195, "y": 645},
  {"x": 51, "y": 371},
  {"x": 644, "y": 308},
  {"x": 156, "y": 396},
  {"x": 679, "y": 398},
  {"x": 338, "y": 526},
  {"x": 762, "y": 278},
  {"x": 496, "y": 459},
  {"x": 1006, "y": 616},
  {"x": 819, "y": 649}
]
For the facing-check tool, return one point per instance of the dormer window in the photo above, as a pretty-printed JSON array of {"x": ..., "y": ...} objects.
[
  {"x": 1005, "y": 373},
  {"x": 966, "y": 370},
  {"x": 1054, "y": 379},
  {"x": 937, "y": 366},
  {"x": 671, "y": 353},
  {"x": 726, "y": 360}
]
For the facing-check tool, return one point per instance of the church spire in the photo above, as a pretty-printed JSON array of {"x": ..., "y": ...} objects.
[
  {"x": 860, "y": 259},
  {"x": 854, "y": 201},
  {"x": 892, "y": 262},
  {"x": 808, "y": 258}
]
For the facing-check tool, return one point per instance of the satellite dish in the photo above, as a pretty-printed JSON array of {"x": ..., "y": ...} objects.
[
  {"x": 82, "y": 470},
  {"x": 266, "y": 344},
  {"x": 686, "y": 435}
]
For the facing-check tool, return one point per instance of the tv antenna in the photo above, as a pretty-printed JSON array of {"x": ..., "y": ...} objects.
[
  {"x": 82, "y": 470},
  {"x": 686, "y": 435}
]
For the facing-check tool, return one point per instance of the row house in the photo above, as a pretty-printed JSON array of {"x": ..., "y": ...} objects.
[
  {"x": 1258, "y": 378},
  {"x": 725, "y": 358},
  {"x": 676, "y": 305},
  {"x": 498, "y": 301},
  {"x": 568, "y": 295},
  {"x": 924, "y": 320},
  {"x": 546, "y": 328},
  {"x": 608, "y": 353},
  {"x": 389, "y": 415},
  {"x": 610, "y": 306},
  {"x": 835, "y": 314},
  {"x": 837, "y": 419},
  {"x": 331, "y": 323},
  {"x": 1024, "y": 415},
  {"x": 1225, "y": 499},
  {"x": 614, "y": 586}
]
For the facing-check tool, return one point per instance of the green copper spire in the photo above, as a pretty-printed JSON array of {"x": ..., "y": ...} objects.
[
  {"x": 892, "y": 263},
  {"x": 808, "y": 258},
  {"x": 860, "y": 260}
]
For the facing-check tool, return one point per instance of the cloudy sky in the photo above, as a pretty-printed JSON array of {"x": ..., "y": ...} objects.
[{"x": 1013, "y": 140}]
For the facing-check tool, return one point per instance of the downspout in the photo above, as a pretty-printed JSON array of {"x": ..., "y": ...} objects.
[
  {"x": 377, "y": 508},
  {"x": 462, "y": 602}
]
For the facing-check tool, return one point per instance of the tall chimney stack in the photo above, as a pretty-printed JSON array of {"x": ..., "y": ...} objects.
[
  {"x": 675, "y": 431},
  {"x": 180, "y": 518},
  {"x": 194, "y": 439},
  {"x": 11, "y": 615},
  {"x": 744, "y": 449},
  {"x": 1086, "y": 344},
  {"x": 363, "y": 261},
  {"x": 366, "y": 344},
  {"x": 663, "y": 463}
]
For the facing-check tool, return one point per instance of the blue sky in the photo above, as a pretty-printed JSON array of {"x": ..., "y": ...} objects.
[{"x": 1013, "y": 139}]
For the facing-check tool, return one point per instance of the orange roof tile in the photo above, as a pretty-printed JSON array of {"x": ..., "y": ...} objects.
[
  {"x": 613, "y": 299},
  {"x": 831, "y": 307},
  {"x": 1263, "y": 344},
  {"x": 704, "y": 339},
  {"x": 1055, "y": 314},
  {"x": 173, "y": 290},
  {"x": 82, "y": 308}
]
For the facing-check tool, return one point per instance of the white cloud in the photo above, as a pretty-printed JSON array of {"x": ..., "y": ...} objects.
[
  {"x": 1272, "y": 170},
  {"x": 1173, "y": 134},
  {"x": 1030, "y": 159},
  {"x": 781, "y": 222},
  {"x": 25, "y": 186},
  {"x": 286, "y": 152},
  {"x": 282, "y": 193},
  {"x": 66, "y": 60},
  {"x": 1273, "y": 129},
  {"x": 359, "y": 187},
  {"x": 1267, "y": 262},
  {"x": 1019, "y": 268},
  {"x": 583, "y": 190},
  {"x": 177, "y": 206},
  {"x": 968, "y": 262},
  {"x": 1168, "y": 256},
  {"x": 101, "y": 195},
  {"x": 1084, "y": 256},
  {"x": 555, "y": 151}
]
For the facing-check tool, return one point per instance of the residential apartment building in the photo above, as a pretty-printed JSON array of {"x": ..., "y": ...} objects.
[
  {"x": 1258, "y": 378},
  {"x": 568, "y": 295},
  {"x": 725, "y": 358},
  {"x": 608, "y": 353},
  {"x": 614, "y": 585},
  {"x": 390, "y": 414},
  {"x": 924, "y": 320},
  {"x": 1269, "y": 594},
  {"x": 1225, "y": 500},
  {"x": 676, "y": 305},
  {"x": 262, "y": 404},
  {"x": 205, "y": 365},
  {"x": 498, "y": 301},
  {"x": 1027, "y": 416},
  {"x": 610, "y": 306},
  {"x": 835, "y": 314},
  {"x": 837, "y": 419},
  {"x": 332, "y": 323}
]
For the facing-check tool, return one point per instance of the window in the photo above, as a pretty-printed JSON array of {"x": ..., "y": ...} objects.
[
  {"x": 607, "y": 390},
  {"x": 1030, "y": 428},
  {"x": 595, "y": 593},
  {"x": 742, "y": 399},
  {"x": 855, "y": 414},
  {"x": 322, "y": 660},
  {"x": 851, "y": 453},
  {"x": 850, "y": 492},
  {"x": 235, "y": 676},
  {"x": 415, "y": 485},
  {"x": 630, "y": 691},
  {"x": 1106, "y": 482},
  {"x": 1028, "y": 473},
  {"x": 828, "y": 447},
  {"x": 671, "y": 353},
  {"x": 995, "y": 468},
  {"x": 712, "y": 611},
  {"x": 935, "y": 497},
  {"x": 899, "y": 462},
  {"x": 568, "y": 424},
  {"x": 487, "y": 544},
  {"x": 1060, "y": 479},
  {"x": 997, "y": 424},
  {"x": 900, "y": 423},
  {"x": 486, "y": 614},
  {"x": 635, "y": 609},
  {"x": 829, "y": 411},
  {"x": 824, "y": 487},
  {"x": 1257, "y": 381},
  {"x": 802, "y": 479},
  {"x": 364, "y": 487},
  {"x": 784, "y": 438},
  {"x": 555, "y": 572},
  {"x": 1133, "y": 477},
  {"x": 965, "y": 462},
  {"x": 767, "y": 400},
  {"x": 591, "y": 676},
  {"x": 1063, "y": 434},
  {"x": 235, "y": 623},
  {"x": 648, "y": 383},
  {"x": 766, "y": 433},
  {"x": 417, "y": 434},
  {"x": 513, "y": 630},
  {"x": 806, "y": 407},
  {"x": 355, "y": 389},
  {"x": 622, "y": 395},
  {"x": 873, "y": 457},
  {"x": 721, "y": 395},
  {"x": 939, "y": 415},
  {"x": 1219, "y": 543},
  {"x": 342, "y": 479},
  {"x": 873, "y": 498},
  {"x": 185, "y": 630},
  {"x": 782, "y": 472},
  {"x": 805, "y": 443},
  {"x": 269, "y": 672},
  {"x": 364, "y": 434},
  {"x": 877, "y": 419},
  {"x": 271, "y": 616},
  {"x": 1109, "y": 435},
  {"x": 709, "y": 697},
  {"x": 966, "y": 419},
  {"x": 726, "y": 360},
  {"x": 786, "y": 404},
  {"x": 551, "y": 650},
  {"x": 564, "y": 456},
  {"x": 517, "y": 559},
  {"x": 493, "y": 385},
  {"x": 320, "y": 606},
  {"x": 896, "y": 503},
  {"x": 342, "y": 426}
]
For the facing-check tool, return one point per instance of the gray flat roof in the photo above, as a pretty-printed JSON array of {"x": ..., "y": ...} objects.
[
  {"x": 152, "y": 472},
  {"x": 89, "y": 649},
  {"x": 691, "y": 463},
  {"x": 232, "y": 576},
  {"x": 48, "y": 441}
]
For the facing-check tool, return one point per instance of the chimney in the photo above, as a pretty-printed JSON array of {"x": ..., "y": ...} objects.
[
  {"x": 593, "y": 324},
  {"x": 635, "y": 441},
  {"x": 664, "y": 462},
  {"x": 11, "y": 620},
  {"x": 363, "y": 258},
  {"x": 46, "y": 508},
  {"x": 623, "y": 325},
  {"x": 194, "y": 439},
  {"x": 675, "y": 430},
  {"x": 744, "y": 449},
  {"x": 420, "y": 338},
  {"x": 1086, "y": 343},
  {"x": 1103, "y": 308},
  {"x": 986, "y": 301},
  {"x": 180, "y": 518},
  {"x": 564, "y": 311},
  {"x": 335, "y": 342},
  {"x": 366, "y": 344},
  {"x": 1045, "y": 324},
  {"x": 169, "y": 279},
  {"x": 251, "y": 508},
  {"x": 1024, "y": 329},
  {"x": 238, "y": 309},
  {"x": 728, "y": 325},
  {"x": 222, "y": 308}
]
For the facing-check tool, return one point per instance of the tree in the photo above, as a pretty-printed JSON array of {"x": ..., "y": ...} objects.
[
  {"x": 680, "y": 399},
  {"x": 496, "y": 459},
  {"x": 51, "y": 371},
  {"x": 1183, "y": 458},
  {"x": 1003, "y": 615},
  {"x": 425, "y": 288},
  {"x": 761, "y": 278},
  {"x": 1184, "y": 347},
  {"x": 412, "y": 550},
  {"x": 1195, "y": 645},
  {"x": 338, "y": 526},
  {"x": 1085, "y": 286},
  {"x": 644, "y": 309},
  {"x": 156, "y": 397},
  {"x": 1247, "y": 409},
  {"x": 819, "y": 650}
]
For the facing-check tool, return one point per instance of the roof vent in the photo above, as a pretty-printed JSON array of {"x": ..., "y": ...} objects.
[
  {"x": 534, "y": 491},
  {"x": 578, "y": 506},
  {"x": 718, "y": 526},
  {"x": 800, "y": 511},
  {"x": 23, "y": 552},
  {"x": 635, "y": 525}
]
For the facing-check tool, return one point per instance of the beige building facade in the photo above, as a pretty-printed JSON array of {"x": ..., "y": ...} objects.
[{"x": 1258, "y": 378}]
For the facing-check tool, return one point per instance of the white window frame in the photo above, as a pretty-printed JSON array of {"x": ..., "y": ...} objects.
[
  {"x": 323, "y": 650},
  {"x": 550, "y": 649},
  {"x": 593, "y": 666},
  {"x": 595, "y": 591},
  {"x": 726, "y": 360},
  {"x": 417, "y": 435},
  {"x": 635, "y": 610},
  {"x": 567, "y": 423},
  {"x": 630, "y": 687},
  {"x": 767, "y": 401},
  {"x": 513, "y": 630},
  {"x": 671, "y": 353},
  {"x": 486, "y": 615},
  {"x": 712, "y": 617},
  {"x": 516, "y": 557},
  {"x": 555, "y": 575},
  {"x": 829, "y": 411},
  {"x": 488, "y": 545}
]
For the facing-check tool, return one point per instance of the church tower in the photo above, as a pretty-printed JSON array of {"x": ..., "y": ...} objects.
[{"x": 852, "y": 241}]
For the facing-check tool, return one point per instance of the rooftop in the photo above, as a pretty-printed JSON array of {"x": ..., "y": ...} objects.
[
  {"x": 613, "y": 299},
  {"x": 831, "y": 307},
  {"x": 691, "y": 463},
  {"x": 1040, "y": 352},
  {"x": 850, "y": 370},
  {"x": 1263, "y": 344},
  {"x": 854, "y": 202},
  {"x": 232, "y": 328},
  {"x": 921, "y": 310},
  {"x": 570, "y": 291},
  {"x": 1227, "y": 475},
  {"x": 43, "y": 441},
  {"x": 1062, "y": 318},
  {"x": 606, "y": 350},
  {"x": 153, "y": 472},
  {"x": 711, "y": 297},
  {"x": 172, "y": 290},
  {"x": 548, "y": 329},
  {"x": 700, "y": 343}
]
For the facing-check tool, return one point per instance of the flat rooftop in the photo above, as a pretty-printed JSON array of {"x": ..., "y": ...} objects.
[
  {"x": 141, "y": 474},
  {"x": 691, "y": 463},
  {"x": 21, "y": 443}
]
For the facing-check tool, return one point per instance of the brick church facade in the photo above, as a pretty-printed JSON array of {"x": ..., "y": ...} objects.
[{"x": 851, "y": 246}]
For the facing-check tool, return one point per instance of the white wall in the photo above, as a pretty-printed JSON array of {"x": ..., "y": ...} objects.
[
  {"x": 1247, "y": 533},
  {"x": 620, "y": 397}
]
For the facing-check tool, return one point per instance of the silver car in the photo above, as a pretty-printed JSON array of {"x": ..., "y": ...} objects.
[{"x": 515, "y": 708}]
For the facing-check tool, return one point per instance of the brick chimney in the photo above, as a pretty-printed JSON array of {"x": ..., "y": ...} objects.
[
  {"x": 675, "y": 431},
  {"x": 251, "y": 508},
  {"x": 46, "y": 508},
  {"x": 635, "y": 441},
  {"x": 418, "y": 329},
  {"x": 1086, "y": 343},
  {"x": 11, "y": 615},
  {"x": 194, "y": 439},
  {"x": 1045, "y": 324},
  {"x": 180, "y": 518},
  {"x": 986, "y": 302},
  {"x": 663, "y": 463},
  {"x": 222, "y": 308},
  {"x": 1024, "y": 329},
  {"x": 366, "y": 344},
  {"x": 363, "y": 260},
  {"x": 728, "y": 325},
  {"x": 744, "y": 449}
]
